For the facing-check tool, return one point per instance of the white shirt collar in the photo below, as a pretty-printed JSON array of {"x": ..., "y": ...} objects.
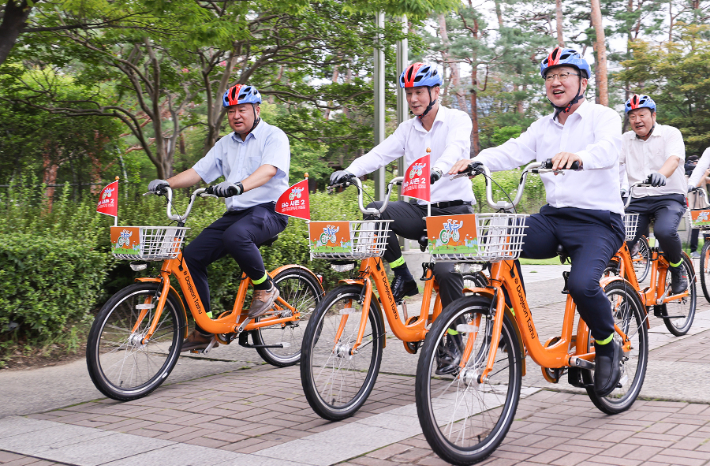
[{"x": 440, "y": 116}]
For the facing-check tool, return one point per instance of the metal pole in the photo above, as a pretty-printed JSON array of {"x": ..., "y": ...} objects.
[
  {"x": 402, "y": 60},
  {"x": 379, "y": 87}
]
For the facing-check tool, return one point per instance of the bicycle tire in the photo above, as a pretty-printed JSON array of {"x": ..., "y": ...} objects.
[
  {"x": 630, "y": 316},
  {"x": 125, "y": 378},
  {"x": 705, "y": 270},
  {"x": 352, "y": 388},
  {"x": 680, "y": 327},
  {"x": 302, "y": 290},
  {"x": 642, "y": 260},
  {"x": 439, "y": 396}
]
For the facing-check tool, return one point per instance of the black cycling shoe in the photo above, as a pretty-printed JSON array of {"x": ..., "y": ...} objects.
[
  {"x": 448, "y": 357},
  {"x": 401, "y": 288},
  {"x": 678, "y": 281},
  {"x": 607, "y": 370}
]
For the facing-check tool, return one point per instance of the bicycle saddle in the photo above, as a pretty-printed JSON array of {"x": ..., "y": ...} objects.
[
  {"x": 562, "y": 253},
  {"x": 269, "y": 241},
  {"x": 423, "y": 243}
]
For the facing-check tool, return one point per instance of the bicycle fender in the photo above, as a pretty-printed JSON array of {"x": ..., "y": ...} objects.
[
  {"x": 373, "y": 299},
  {"x": 172, "y": 290},
  {"x": 277, "y": 270}
]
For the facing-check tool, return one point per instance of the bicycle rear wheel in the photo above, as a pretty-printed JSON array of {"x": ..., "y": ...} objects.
[
  {"x": 630, "y": 317},
  {"x": 678, "y": 314},
  {"x": 705, "y": 270},
  {"x": 463, "y": 419},
  {"x": 335, "y": 381},
  {"x": 301, "y": 290},
  {"x": 120, "y": 365},
  {"x": 642, "y": 260}
]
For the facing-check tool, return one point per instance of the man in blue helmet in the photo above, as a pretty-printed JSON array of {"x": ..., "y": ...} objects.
[
  {"x": 584, "y": 207},
  {"x": 448, "y": 133},
  {"x": 655, "y": 154},
  {"x": 254, "y": 160}
]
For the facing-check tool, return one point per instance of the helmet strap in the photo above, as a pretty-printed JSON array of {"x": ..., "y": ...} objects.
[
  {"x": 567, "y": 107},
  {"x": 257, "y": 120},
  {"x": 428, "y": 107}
]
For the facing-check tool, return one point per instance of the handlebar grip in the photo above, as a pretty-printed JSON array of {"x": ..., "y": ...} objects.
[
  {"x": 547, "y": 165},
  {"x": 210, "y": 190}
]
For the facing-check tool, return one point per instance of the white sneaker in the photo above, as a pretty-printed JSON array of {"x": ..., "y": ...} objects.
[{"x": 695, "y": 255}]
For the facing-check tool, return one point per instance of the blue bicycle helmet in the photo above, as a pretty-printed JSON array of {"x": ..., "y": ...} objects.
[
  {"x": 419, "y": 74},
  {"x": 640, "y": 101},
  {"x": 241, "y": 94},
  {"x": 565, "y": 57}
]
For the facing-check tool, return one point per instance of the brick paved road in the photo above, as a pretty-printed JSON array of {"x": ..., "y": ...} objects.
[{"x": 259, "y": 416}]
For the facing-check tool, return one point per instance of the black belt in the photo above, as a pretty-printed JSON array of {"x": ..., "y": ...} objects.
[{"x": 444, "y": 205}]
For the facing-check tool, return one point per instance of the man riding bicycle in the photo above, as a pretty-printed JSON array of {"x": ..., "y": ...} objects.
[
  {"x": 254, "y": 161},
  {"x": 584, "y": 208},
  {"x": 447, "y": 132},
  {"x": 655, "y": 154}
]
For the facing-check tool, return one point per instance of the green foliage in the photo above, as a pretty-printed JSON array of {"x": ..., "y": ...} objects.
[
  {"x": 501, "y": 135},
  {"x": 505, "y": 186}
]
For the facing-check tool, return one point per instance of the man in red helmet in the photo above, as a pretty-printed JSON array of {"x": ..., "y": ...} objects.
[
  {"x": 254, "y": 160},
  {"x": 584, "y": 207},
  {"x": 448, "y": 133}
]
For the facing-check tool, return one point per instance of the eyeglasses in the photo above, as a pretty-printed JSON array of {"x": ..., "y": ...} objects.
[{"x": 561, "y": 76}]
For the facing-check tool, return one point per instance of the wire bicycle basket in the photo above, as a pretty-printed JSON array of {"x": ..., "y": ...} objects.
[
  {"x": 147, "y": 243},
  {"x": 476, "y": 237},
  {"x": 348, "y": 240},
  {"x": 631, "y": 223}
]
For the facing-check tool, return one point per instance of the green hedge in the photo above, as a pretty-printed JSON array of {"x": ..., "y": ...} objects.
[{"x": 47, "y": 281}]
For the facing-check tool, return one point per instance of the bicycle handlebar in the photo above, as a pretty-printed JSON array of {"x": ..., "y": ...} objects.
[
  {"x": 168, "y": 192},
  {"x": 371, "y": 211},
  {"x": 705, "y": 194}
]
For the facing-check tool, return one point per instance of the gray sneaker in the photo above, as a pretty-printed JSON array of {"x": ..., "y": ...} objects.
[
  {"x": 695, "y": 255},
  {"x": 262, "y": 301}
]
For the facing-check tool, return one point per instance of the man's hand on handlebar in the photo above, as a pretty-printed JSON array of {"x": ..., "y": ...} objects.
[
  {"x": 340, "y": 177},
  {"x": 226, "y": 189},
  {"x": 467, "y": 167},
  {"x": 656, "y": 180},
  {"x": 563, "y": 160},
  {"x": 435, "y": 176},
  {"x": 158, "y": 186}
]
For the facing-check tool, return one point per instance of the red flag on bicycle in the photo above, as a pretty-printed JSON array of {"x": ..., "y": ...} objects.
[
  {"x": 108, "y": 200},
  {"x": 416, "y": 180},
  {"x": 294, "y": 201}
]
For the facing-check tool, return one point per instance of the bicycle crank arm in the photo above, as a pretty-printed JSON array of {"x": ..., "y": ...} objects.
[
  {"x": 280, "y": 345},
  {"x": 574, "y": 361}
]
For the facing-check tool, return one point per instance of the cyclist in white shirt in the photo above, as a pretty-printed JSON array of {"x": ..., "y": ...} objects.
[
  {"x": 447, "y": 132},
  {"x": 656, "y": 153},
  {"x": 584, "y": 207}
]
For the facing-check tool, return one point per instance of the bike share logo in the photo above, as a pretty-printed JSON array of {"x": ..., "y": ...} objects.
[
  {"x": 416, "y": 170},
  {"x": 450, "y": 232},
  {"x": 107, "y": 193},
  {"x": 295, "y": 193},
  {"x": 328, "y": 235},
  {"x": 106, "y": 198},
  {"x": 703, "y": 218},
  {"x": 125, "y": 240}
]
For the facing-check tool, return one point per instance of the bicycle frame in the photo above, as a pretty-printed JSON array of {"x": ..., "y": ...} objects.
[
  {"x": 373, "y": 269},
  {"x": 655, "y": 293},
  {"x": 230, "y": 323}
]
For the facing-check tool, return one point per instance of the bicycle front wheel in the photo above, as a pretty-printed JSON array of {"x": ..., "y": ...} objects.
[
  {"x": 678, "y": 315},
  {"x": 630, "y": 317},
  {"x": 463, "y": 418},
  {"x": 337, "y": 380},
  {"x": 705, "y": 270},
  {"x": 120, "y": 364},
  {"x": 302, "y": 291},
  {"x": 642, "y": 260}
]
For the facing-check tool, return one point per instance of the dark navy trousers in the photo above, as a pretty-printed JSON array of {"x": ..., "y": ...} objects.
[
  {"x": 667, "y": 210},
  {"x": 239, "y": 234},
  {"x": 590, "y": 238}
]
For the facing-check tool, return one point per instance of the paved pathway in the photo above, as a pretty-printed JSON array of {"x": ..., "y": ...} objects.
[{"x": 259, "y": 416}]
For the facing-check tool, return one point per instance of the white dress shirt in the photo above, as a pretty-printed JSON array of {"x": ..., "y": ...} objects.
[
  {"x": 449, "y": 140},
  {"x": 593, "y": 132},
  {"x": 236, "y": 159},
  {"x": 641, "y": 158},
  {"x": 700, "y": 168}
]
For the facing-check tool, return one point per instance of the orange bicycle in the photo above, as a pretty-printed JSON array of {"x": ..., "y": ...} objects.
[
  {"x": 345, "y": 337},
  {"x": 677, "y": 311},
  {"x": 466, "y": 416},
  {"x": 137, "y": 335}
]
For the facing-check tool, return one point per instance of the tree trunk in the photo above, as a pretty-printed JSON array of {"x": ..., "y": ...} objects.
[
  {"x": 14, "y": 19},
  {"x": 560, "y": 37},
  {"x": 600, "y": 48},
  {"x": 455, "y": 83}
]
